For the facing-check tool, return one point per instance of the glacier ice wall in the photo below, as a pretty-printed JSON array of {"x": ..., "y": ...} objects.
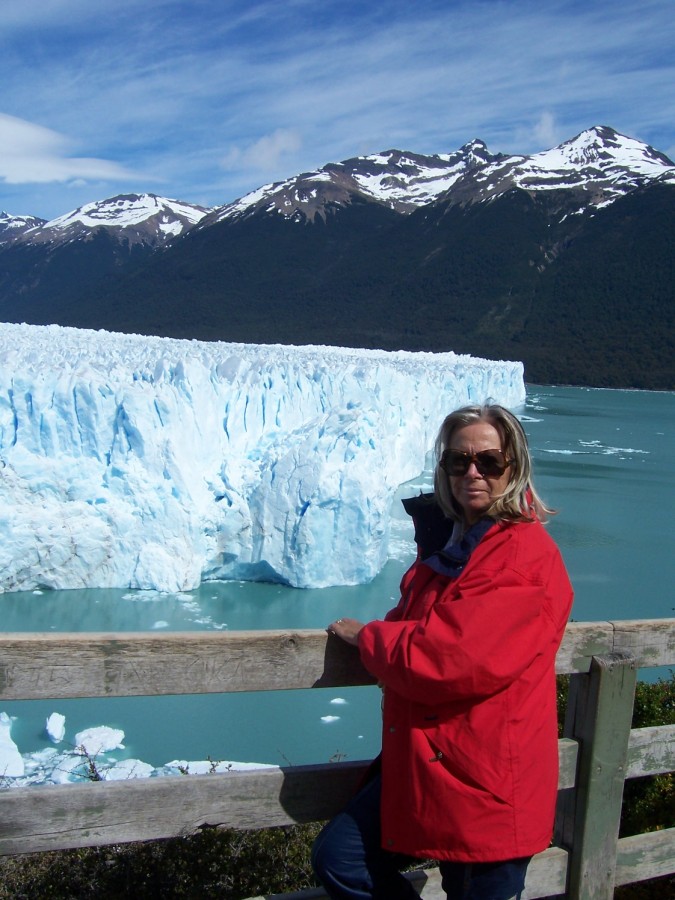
[{"x": 129, "y": 461}]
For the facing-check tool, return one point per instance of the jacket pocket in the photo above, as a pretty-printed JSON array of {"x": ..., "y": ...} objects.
[{"x": 479, "y": 768}]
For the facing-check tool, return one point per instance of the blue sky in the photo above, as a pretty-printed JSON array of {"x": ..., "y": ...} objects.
[{"x": 204, "y": 100}]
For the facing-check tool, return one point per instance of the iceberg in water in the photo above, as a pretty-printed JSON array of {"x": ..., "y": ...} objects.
[
  {"x": 11, "y": 762},
  {"x": 97, "y": 740},
  {"x": 151, "y": 463},
  {"x": 72, "y": 765},
  {"x": 56, "y": 727}
]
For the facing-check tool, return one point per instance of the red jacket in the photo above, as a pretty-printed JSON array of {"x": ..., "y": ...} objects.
[{"x": 469, "y": 748}]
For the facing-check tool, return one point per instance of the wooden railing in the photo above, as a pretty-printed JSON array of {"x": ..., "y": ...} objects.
[{"x": 598, "y": 752}]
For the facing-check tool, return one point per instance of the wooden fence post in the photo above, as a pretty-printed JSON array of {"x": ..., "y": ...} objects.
[{"x": 599, "y": 717}]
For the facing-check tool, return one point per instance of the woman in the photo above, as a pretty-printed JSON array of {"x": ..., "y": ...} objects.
[{"x": 469, "y": 763}]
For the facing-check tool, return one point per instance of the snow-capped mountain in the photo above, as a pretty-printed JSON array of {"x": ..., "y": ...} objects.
[
  {"x": 136, "y": 218},
  {"x": 562, "y": 259},
  {"x": 402, "y": 180},
  {"x": 13, "y": 227},
  {"x": 599, "y": 162}
]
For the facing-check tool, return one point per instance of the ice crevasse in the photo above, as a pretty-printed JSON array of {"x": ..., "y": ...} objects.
[{"x": 153, "y": 463}]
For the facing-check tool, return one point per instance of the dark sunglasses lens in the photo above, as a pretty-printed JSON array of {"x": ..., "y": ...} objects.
[
  {"x": 455, "y": 463},
  {"x": 488, "y": 462}
]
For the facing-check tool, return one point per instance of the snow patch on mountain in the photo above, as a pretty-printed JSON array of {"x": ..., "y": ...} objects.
[
  {"x": 128, "y": 210},
  {"x": 599, "y": 158},
  {"x": 402, "y": 181},
  {"x": 144, "y": 218},
  {"x": 13, "y": 227},
  {"x": 600, "y": 162}
]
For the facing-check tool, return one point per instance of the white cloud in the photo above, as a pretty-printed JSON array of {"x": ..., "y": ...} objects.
[
  {"x": 30, "y": 153},
  {"x": 546, "y": 132},
  {"x": 268, "y": 153}
]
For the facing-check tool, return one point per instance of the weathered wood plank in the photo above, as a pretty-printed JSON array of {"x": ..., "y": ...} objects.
[
  {"x": 568, "y": 751},
  {"x": 650, "y": 641},
  {"x": 83, "y": 815},
  {"x": 547, "y": 874},
  {"x": 599, "y": 718},
  {"x": 651, "y": 751},
  {"x": 546, "y": 877},
  {"x": 581, "y": 642},
  {"x": 427, "y": 883},
  {"x": 58, "y": 666},
  {"x": 93, "y": 813},
  {"x": 644, "y": 856}
]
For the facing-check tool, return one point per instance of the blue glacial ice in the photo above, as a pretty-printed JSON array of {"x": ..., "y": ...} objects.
[{"x": 151, "y": 463}]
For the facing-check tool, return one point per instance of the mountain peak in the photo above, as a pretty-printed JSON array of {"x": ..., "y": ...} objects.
[
  {"x": 12, "y": 228},
  {"x": 130, "y": 209},
  {"x": 602, "y": 143},
  {"x": 399, "y": 179},
  {"x": 599, "y": 163},
  {"x": 139, "y": 218}
]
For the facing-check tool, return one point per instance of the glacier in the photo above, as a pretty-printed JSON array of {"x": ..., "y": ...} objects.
[{"x": 154, "y": 463}]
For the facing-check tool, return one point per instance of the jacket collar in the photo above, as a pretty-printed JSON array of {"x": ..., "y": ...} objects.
[
  {"x": 453, "y": 557},
  {"x": 434, "y": 536}
]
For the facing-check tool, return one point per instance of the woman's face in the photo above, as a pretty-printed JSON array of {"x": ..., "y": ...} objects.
[{"x": 474, "y": 492}]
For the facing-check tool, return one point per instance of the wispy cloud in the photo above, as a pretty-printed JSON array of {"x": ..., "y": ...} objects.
[
  {"x": 215, "y": 97},
  {"x": 31, "y": 153},
  {"x": 265, "y": 154}
]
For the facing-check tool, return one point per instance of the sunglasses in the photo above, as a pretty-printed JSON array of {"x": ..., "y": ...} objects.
[{"x": 490, "y": 463}]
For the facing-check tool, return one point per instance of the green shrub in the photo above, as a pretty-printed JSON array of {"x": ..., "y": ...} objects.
[
  {"x": 214, "y": 863},
  {"x": 649, "y": 803}
]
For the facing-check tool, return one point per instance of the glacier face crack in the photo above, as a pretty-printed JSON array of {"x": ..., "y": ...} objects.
[{"x": 154, "y": 463}]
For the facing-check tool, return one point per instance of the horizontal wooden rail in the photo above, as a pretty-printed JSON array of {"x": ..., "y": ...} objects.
[
  {"x": 36, "y": 666},
  {"x": 651, "y": 751},
  {"x": 644, "y": 856},
  {"x": 95, "y": 813}
]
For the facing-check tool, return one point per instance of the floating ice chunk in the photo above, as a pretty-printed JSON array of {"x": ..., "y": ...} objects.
[
  {"x": 56, "y": 727},
  {"x": 68, "y": 768},
  {"x": 207, "y": 766},
  {"x": 11, "y": 762},
  {"x": 128, "y": 768},
  {"x": 100, "y": 739},
  {"x": 329, "y": 719},
  {"x": 339, "y": 701},
  {"x": 38, "y": 767}
]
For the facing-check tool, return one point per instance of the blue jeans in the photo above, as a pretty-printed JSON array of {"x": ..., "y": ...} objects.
[{"x": 349, "y": 861}]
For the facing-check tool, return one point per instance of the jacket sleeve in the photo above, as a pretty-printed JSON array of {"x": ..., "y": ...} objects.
[{"x": 476, "y": 639}]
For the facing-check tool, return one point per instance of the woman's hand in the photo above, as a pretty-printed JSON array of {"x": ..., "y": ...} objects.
[{"x": 346, "y": 629}]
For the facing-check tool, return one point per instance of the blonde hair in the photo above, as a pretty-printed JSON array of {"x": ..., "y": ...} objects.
[{"x": 519, "y": 502}]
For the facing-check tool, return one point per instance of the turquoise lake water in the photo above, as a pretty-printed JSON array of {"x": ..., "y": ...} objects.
[{"x": 604, "y": 459}]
